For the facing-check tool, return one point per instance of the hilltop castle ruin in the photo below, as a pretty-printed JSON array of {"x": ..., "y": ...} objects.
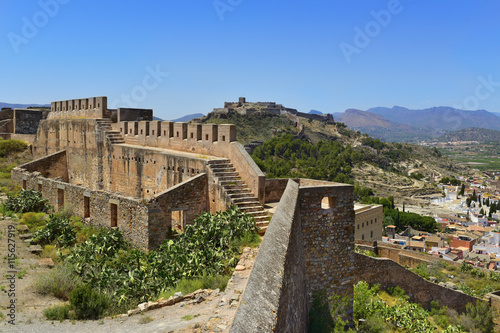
[{"x": 119, "y": 168}]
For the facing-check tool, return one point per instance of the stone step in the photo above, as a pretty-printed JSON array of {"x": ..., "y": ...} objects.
[
  {"x": 232, "y": 182},
  {"x": 228, "y": 169},
  {"x": 262, "y": 224},
  {"x": 211, "y": 162},
  {"x": 261, "y": 219},
  {"x": 236, "y": 187},
  {"x": 240, "y": 195},
  {"x": 245, "y": 204},
  {"x": 251, "y": 209},
  {"x": 248, "y": 198},
  {"x": 229, "y": 178},
  {"x": 226, "y": 174}
]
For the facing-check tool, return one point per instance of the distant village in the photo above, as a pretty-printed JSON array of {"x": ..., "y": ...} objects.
[{"x": 470, "y": 232}]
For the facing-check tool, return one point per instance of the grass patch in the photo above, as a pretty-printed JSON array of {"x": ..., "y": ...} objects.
[
  {"x": 58, "y": 312},
  {"x": 59, "y": 282},
  {"x": 189, "y": 317},
  {"x": 187, "y": 286},
  {"x": 22, "y": 273},
  {"x": 146, "y": 320},
  {"x": 50, "y": 251},
  {"x": 249, "y": 239},
  {"x": 33, "y": 220}
]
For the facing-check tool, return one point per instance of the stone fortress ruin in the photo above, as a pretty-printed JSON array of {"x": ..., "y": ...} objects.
[{"x": 119, "y": 168}]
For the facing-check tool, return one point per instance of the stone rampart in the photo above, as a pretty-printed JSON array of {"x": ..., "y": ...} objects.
[
  {"x": 209, "y": 139},
  {"x": 388, "y": 273},
  {"x": 92, "y": 107},
  {"x": 186, "y": 199},
  {"x": 27, "y": 121},
  {"x": 131, "y": 215},
  {"x": 309, "y": 246},
  {"x": 275, "y": 297}
]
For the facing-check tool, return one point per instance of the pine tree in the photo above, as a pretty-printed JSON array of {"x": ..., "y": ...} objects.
[{"x": 462, "y": 190}]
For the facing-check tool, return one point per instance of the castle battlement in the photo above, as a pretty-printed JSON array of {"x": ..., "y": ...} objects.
[{"x": 92, "y": 107}]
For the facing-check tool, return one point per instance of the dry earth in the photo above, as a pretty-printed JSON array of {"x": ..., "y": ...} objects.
[{"x": 214, "y": 314}]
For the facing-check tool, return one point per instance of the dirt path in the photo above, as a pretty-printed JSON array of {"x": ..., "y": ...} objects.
[{"x": 215, "y": 314}]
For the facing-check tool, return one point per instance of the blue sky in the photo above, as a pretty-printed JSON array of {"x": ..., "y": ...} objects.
[{"x": 180, "y": 57}]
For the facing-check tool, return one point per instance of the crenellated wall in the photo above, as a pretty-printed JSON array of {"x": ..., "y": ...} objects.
[
  {"x": 207, "y": 139},
  {"x": 92, "y": 107}
]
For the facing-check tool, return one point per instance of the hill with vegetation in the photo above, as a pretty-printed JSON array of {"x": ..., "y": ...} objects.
[
  {"x": 381, "y": 128},
  {"x": 319, "y": 150},
  {"x": 471, "y": 134}
]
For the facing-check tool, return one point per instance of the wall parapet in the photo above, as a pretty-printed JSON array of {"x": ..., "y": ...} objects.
[
  {"x": 308, "y": 246},
  {"x": 388, "y": 273},
  {"x": 275, "y": 296},
  {"x": 92, "y": 107}
]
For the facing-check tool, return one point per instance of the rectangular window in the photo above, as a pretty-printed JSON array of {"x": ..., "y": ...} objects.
[
  {"x": 114, "y": 215},
  {"x": 86, "y": 207},
  {"x": 60, "y": 198}
]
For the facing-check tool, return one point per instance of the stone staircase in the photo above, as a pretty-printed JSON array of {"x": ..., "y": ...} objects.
[
  {"x": 114, "y": 137},
  {"x": 238, "y": 192}
]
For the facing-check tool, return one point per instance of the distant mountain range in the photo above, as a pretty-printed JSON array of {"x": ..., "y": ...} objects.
[
  {"x": 402, "y": 124},
  {"x": 188, "y": 117},
  {"x": 315, "y": 112},
  {"x": 21, "y": 106}
]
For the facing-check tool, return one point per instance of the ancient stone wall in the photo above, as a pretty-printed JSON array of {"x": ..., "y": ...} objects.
[
  {"x": 51, "y": 166},
  {"x": 308, "y": 246},
  {"x": 328, "y": 233},
  {"x": 92, "y": 107},
  {"x": 274, "y": 189},
  {"x": 275, "y": 297},
  {"x": 209, "y": 139},
  {"x": 27, "y": 121},
  {"x": 131, "y": 214},
  {"x": 388, "y": 273},
  {"x": 186, "y": 199},
  {"x": 143, "y": 172},
  {"x": 129, "y": 114}
]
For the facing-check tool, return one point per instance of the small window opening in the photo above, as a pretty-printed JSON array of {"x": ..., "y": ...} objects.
[
  {"x": 328, "y": 202},
  {"x": 86, "y": 207},
  {"x": 114, "y": 215}
]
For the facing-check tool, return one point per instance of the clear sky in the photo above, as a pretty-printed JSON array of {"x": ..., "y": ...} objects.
[{"x": 180, "y": 57}]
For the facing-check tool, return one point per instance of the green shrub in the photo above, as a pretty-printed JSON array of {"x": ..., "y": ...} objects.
[
  {"x": 50, "y": 251},
  {"x": 57, "y": 312},
  {"x": 33, "y": 220},
  {"x": 10, "y": 146},
  {"x": 478, "y": 318},
  {"x": 250, "y": 239},
  {"x": 59, "y": 281},
  {"x": 27, "y": 201},
  {"x": 58, "y": 231},
  {"x": 398, "y": 292},
  {"x": 88, "y": 303}
]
